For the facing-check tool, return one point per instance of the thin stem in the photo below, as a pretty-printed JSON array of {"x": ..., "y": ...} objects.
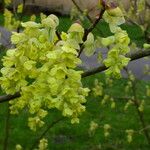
[
  {"x": 88, "y": 17},
  {"x": 137, "y": 105},
  {"x": 148, "y": 127},
  {"x": 45, "y": 132},
  {"x": 93, "y": 25},
  {"x": 147, "y": 33},
  {"x": 135, "y": 6},
  {"x": 20, "y": 18},
  {"x": 140, "y": 114},
  {"x": 5, "y": 145},
  {"x": 81, "y": 11}
]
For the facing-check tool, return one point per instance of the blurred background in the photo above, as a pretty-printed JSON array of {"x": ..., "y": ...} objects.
[{"x": 109, "y": 103}]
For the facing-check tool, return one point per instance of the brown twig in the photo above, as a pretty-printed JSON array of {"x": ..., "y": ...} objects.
[
  {"x": 5, "y": 98},
  {"x": 88, "y": 17},
  {"x": 93, "y": 25}
]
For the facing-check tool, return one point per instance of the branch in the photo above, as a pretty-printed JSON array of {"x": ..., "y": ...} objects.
[
  {"x": 94, "y": 71},
  {"x": 133, "y": 56},
  {"x": 97, "y": 20},
  {"x": 88, "y": 17},
  {"x": 145, "y": 128},
  {"x": 147, "y": 4},
  {"x": 93, "y": 25},
  {"x": 58, "y": 35},
  {"x": 139, "y": 54},
  {"x": 6, "y": 98}
]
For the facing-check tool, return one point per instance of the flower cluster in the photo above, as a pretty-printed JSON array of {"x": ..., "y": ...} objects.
[
  {"x": 43, "y": 69},
  {"x": 118, "y": 42}
]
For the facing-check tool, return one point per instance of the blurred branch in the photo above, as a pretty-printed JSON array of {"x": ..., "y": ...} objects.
[
  {"x": 146, "y": 29},
  {"x": 137, "y": 105},
  {"x": 131, "y": 21},
  {"x": 134, "y": 56},
  {"x": 148, "y": 127},
  {"x": 147, "y": 4},
  {"x": 35, "y": 143},
  {"x": 147, "y": 33},
  {"x": 6, "y": 98},
  {"x": 139, "y": 54},
  {"x": 81, "y": 11}
]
